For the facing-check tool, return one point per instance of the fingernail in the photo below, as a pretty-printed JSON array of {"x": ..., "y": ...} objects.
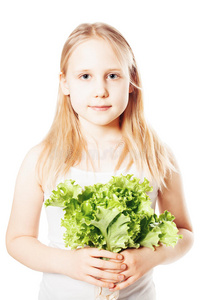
[
  {"x": 111, "y": 285},
  {"x": 123, "y": 267},
  {"x": 112, "y": 288},
  {"x": 119, "y": 256},
  {"x": 120, "y": 277}
]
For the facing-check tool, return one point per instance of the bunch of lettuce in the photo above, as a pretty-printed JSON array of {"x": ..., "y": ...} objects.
[{"x": 112, "y": 216}]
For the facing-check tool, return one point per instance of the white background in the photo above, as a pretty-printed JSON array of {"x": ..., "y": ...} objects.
[{"x": 164, "y": 36}]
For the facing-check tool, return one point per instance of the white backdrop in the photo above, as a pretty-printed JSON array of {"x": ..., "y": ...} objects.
[{"x": 164, "y": 36}]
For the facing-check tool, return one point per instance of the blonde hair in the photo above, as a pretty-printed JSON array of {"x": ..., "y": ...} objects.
[{"x": 63, "y": 146}]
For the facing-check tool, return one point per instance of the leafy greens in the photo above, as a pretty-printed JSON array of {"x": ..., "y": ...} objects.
[{"x": 112, "y": 216}]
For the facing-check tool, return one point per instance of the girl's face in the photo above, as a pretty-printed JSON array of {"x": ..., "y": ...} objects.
[{"x": 98, "y": 85}]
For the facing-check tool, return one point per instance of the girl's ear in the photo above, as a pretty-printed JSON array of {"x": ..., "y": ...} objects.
[
  {"x": 130, "y": 88},
  {"x": 63, "y": 84}
]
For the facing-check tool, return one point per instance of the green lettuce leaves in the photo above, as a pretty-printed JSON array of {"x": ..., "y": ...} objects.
[{"x": 112, "y": 216}]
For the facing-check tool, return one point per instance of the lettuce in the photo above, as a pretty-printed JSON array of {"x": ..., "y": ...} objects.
[{"x": 112, "y": 216}]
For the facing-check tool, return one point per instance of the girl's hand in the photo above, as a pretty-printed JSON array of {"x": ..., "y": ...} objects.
[
  {"x": 138, "y": 261},
  {"x": 87, "y": 266}
]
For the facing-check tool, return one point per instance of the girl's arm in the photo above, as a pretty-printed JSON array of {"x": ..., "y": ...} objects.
[
  {"x": 139, "y": 261},
  {"x": 22, "y": 236}
]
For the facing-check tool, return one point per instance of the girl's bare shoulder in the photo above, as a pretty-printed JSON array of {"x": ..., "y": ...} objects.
[
  {"x": 29, "y": 163},
  {"x": 33, "y": 154}
]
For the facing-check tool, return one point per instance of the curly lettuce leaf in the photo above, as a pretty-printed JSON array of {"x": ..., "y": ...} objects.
[
  {"x": 116, "y": 215},
  {"x": 65, "y": 192}
]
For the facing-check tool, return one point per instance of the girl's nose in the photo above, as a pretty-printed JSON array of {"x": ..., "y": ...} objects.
[{"x": 101, "y": 90}]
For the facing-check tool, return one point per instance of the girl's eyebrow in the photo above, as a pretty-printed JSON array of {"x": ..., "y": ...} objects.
[{"x": 106, "y": 71}]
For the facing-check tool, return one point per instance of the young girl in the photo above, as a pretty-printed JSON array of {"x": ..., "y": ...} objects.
[{"x": 99, "y": 130}]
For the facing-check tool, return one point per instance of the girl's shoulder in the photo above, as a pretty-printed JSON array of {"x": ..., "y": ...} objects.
[
  {"x": 28, "y": 166},
  {"x": 33, "y": 154}
]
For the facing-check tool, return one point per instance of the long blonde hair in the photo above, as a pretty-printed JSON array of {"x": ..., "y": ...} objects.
[{"x": 63, "y": 146}]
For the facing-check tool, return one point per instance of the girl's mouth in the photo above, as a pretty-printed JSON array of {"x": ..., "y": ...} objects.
[{"x": 100, "y": 108}]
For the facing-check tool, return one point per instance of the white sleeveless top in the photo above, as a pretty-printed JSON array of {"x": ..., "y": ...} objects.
[{"x": 61, "y": 287}]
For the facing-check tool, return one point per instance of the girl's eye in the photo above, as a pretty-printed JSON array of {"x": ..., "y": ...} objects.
[
  {"x": 85, "y": 76},
  {"x": 113, "y": 76}
]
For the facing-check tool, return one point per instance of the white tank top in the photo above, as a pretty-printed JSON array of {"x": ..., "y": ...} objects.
[{"x": 61, "y": 287}]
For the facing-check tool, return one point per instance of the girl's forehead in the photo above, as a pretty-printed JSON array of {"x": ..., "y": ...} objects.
[{"x": 92, "y": 51}]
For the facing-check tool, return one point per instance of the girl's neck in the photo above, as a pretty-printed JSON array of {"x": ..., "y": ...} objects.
[
  {"x": 100, "y": 135},
  {"x": 104, "y": 146}
]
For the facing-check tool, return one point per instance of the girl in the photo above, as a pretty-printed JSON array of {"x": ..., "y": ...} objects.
[{"x": 99, "y": 130}]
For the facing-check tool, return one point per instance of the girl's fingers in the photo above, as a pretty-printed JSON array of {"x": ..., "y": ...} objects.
[
  {"x": 104, "y": 275},
  {"x": 106, "y": 254},
  {"x": 98, "y": 282},
  {"x": 127, "y": 282},
  {"x": 109, "y": 265}
]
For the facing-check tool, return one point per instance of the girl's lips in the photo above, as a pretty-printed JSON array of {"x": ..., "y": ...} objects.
[{"x": 100, "y": 108}]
